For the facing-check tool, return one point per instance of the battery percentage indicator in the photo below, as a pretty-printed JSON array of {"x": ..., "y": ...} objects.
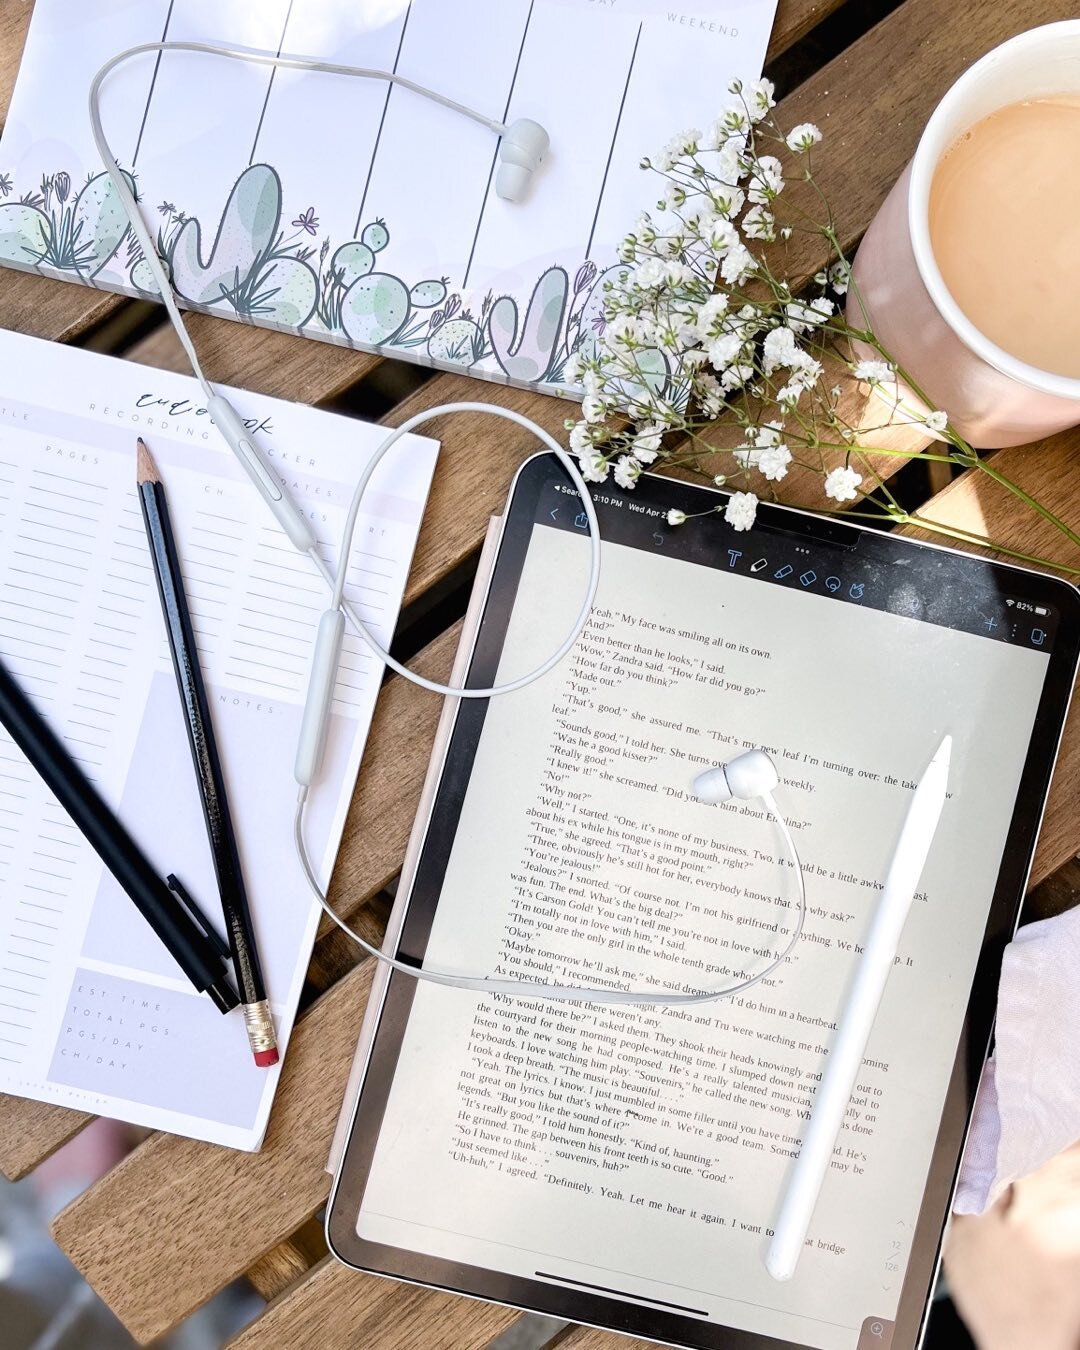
[{"x": 1041, "y": 609}]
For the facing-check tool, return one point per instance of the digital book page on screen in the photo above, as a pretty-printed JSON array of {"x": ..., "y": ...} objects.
[{"x": 642, "y": 1152}]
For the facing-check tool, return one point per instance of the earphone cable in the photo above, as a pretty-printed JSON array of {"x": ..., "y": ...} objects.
[
  {"x": 337, "y": 581},
  {"x": 164, "y": 285},
  {"x": 527, "y": 989},
  {"x": 127, "y": 197}
]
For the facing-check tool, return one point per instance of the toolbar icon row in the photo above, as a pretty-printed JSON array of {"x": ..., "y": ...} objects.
[{"x": 856, "y": 590}]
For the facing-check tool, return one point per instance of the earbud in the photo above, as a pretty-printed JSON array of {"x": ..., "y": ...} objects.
[
  {"x": 523, "y": 146},
  {"x": 748, "y": 775}
]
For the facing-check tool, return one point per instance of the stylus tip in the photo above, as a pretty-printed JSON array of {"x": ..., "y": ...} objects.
[
  {"x": 781, "y": 1264},
  {"x": 944, "y": 751},
  {"x": 266, "y": 1059}
]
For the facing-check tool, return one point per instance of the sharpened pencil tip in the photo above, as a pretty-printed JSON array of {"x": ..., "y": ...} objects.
[{"x": 147, "y": 470}]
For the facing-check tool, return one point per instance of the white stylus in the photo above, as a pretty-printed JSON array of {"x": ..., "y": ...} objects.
[{"x": 846, "y": 1056}]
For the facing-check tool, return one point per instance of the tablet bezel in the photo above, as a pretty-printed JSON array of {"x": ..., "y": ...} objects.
[{"x": 391, "y": 1018}]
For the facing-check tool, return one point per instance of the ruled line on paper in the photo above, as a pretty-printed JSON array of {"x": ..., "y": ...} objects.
[
  {"x": 614, "y": 138},
  {"x": 382, "y": 123},
  {"x": 270, "y": 85},
  {"x": 495, "y": 153},
  {"x": 242, "y": 675},
  {"x": 214, "y": 515},
  {"x": 69, "y": 478},
  {"x": 62, "y": 581},
  {"x": 52, "y": 543},
  {"x": 219, "y": 534},
  {"x": 33, "y": 590},
  {"x": 280, "y": 618},
  {"x": 153, "y": 82}
]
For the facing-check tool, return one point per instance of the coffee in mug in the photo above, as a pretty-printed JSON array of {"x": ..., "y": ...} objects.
[
  {"x": 1005, "y": 229},
  {"x": 968, "y": 275}
]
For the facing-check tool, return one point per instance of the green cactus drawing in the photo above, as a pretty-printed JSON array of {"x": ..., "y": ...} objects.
[
  {"x": 376, "y": 236},
  {"x": 245, "y": 235},
  {"x": 427, "y": 294},
  {"x": 375, "y": 309},
  {"x": 142, "y": 278},
  {"x": 588, "y": 322},
  {"x": 250, "y": 267},
  {"x": 24, "y": 232},
  {"x": 653, "y": 371},
  {"x": 353, "y": 261},
  {"x": 530, "y": 353},
  {"x": 591, "y": 319},
  {"x": 101, "y": 220},
  {"x": 289, "y": 291},
  {"x": 458, "y": 340},
  {"x": 71, "y": 234}
]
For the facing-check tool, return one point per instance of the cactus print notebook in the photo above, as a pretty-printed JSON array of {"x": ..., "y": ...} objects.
[{"x": 350, "y": 211}]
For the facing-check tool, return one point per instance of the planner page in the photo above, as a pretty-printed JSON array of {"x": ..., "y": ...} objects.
[
  {"x": 94, "y": 1013},
  {"x": 642, "y": 1152},
  {"x": 350, "y": 210}
]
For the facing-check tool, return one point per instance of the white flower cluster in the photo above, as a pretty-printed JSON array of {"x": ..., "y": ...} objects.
[{"x": 696, "y": 327}]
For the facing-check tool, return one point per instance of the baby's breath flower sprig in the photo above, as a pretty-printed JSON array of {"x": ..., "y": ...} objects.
[{"x": 700, "y": 329}]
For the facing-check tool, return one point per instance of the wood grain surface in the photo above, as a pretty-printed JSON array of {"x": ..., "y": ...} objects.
[
  {"x": 336, "y": 1308},
  {"x": 794, "y": 19},
  {"x": 257, "y": 359},
  {"x": 391, "y": 776},
  {"x": 182, "y": 1219},
  {"x": 289, "y": 1261},
  {"x": 1050, "y": 473},
  {"x": 873, "y": 100},
  {"x": 30, "y": 1132},
  {"x": 588, "y": 1338}
]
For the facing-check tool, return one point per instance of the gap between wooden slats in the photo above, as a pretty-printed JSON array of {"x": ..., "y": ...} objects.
[
  {"x": 588, "y": 1338},
  {"x": 179, "y": 1220},
  {"x": 334, "y": 1307}
]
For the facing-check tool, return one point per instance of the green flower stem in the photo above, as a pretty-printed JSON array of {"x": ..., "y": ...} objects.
[
  {"x": 1028, "y": 500},
  {"x": 967, "y": 536},
  {"x": 814, "y": 426}
]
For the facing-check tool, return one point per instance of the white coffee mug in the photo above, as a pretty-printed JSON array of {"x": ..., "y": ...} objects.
[{"x": 992, "y": 399}]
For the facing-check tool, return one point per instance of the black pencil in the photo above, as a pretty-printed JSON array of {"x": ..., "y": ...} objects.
[
  {"x": 167, "y": 910},
  {"x": 200, "y": 728}
]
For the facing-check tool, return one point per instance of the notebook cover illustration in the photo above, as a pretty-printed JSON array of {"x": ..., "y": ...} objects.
[{"x": 350, "y": 210}]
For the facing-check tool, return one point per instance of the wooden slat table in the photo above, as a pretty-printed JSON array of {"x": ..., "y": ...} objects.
[{"x": 176, "y": 1220}]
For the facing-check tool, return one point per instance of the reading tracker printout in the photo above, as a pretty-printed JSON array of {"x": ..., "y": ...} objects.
[
  {"x": 94, "y": 1012},
  {"x": 643, "y": 1150},
  {"x": 349, "y": 210}
]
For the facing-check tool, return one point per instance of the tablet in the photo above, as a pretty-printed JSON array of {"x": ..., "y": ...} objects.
[{"x": 622, "y": 1166}]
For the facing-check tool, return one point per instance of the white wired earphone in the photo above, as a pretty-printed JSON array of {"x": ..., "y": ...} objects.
[{"x": 749, "y": 775}]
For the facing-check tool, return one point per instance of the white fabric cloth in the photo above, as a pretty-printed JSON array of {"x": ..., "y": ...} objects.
[{"x": 1028, "y": 1107}]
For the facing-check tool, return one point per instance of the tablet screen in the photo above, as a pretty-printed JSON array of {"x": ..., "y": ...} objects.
[{"x": 623, "y": 1165}]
